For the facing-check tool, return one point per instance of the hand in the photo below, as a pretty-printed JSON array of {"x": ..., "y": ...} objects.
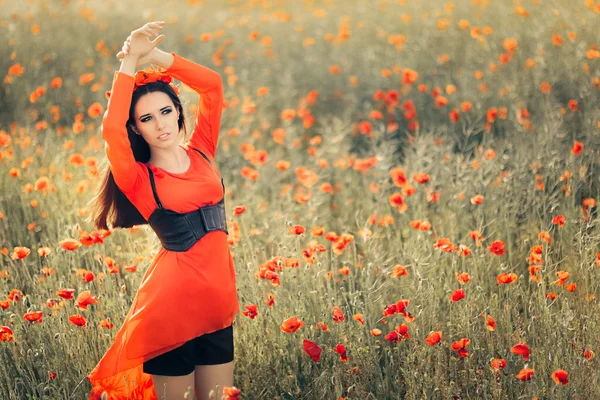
[
  {"x": 145, "y": 59},
  {"x": 138, "y": 43}
]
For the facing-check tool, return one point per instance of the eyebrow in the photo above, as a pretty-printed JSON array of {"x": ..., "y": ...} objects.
[{"x": 142, "y": 116}]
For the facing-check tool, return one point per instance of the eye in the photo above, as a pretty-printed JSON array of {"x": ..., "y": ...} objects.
[{"x": 167, "y": 111}]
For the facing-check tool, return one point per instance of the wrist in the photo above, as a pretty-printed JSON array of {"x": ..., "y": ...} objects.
[
  {"x": 131, "y": 57},
  {"x": 162, "y": 58},
  {"x": 128, "y": 64}
]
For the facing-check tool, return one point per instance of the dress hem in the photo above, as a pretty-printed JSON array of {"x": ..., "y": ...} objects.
[{"x": 141, "y": 384}]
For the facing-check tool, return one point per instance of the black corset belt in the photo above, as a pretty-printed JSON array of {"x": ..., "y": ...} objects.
[{"x": 180, "y": 231}]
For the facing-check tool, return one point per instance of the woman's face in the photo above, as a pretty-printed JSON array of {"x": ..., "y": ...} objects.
[{"x": 156, "y": 119}]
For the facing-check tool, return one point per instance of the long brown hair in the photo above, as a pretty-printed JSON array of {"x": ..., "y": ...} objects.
[{"x": 110, "y": 205}]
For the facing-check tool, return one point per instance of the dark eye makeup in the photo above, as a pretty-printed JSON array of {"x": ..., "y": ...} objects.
[{"x": 166, "y": 110}]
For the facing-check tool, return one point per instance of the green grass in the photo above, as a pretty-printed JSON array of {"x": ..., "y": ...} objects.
[{"x": 270, "y": 363}]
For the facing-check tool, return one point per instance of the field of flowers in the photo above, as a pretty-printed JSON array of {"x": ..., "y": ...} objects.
[{"x": 412, "y": 193}]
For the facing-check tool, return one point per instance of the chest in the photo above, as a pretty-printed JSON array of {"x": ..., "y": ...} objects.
[{"x": 199, "y": 186}]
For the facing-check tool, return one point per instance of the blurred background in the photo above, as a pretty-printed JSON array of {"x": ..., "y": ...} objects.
[{"x": 400, "y": 133}]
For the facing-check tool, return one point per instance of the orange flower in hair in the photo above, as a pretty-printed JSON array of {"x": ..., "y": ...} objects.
[{"x": 149, "y": 75}]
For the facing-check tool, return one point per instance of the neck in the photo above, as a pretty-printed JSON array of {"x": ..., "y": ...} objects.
[{"x": 174, "y": 156}]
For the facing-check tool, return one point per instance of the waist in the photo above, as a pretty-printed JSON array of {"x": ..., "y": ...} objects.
[{"x": 180, "y": 231}]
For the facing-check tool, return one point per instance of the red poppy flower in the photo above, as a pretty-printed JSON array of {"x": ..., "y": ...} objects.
[
  {"x": 461, "y": 347},
  {"x": 251, "y": 311},
  {"x": 338, "y": 315},
  {"x": 463, "y": 277},
  {"x": 525, "y": 374},
  {"x": 66, "y": 294},
  {"x": 522, "y": 349},
  {"x": 490, "y": 323},
  {"x": 497, "y": 248},
  {"x": 506, "y": 278},
  {"x": 34, "y": 316},
  {"x": 105, "y": 323},
  {"x": 341, "y": 350},
  {"x": 393, "y": 337},
  {"x": 239, "y": 210},
  {"x": 291, "y": 325},
  {"x": 84, "y": 299},
  {"x": 15, "y": 295},
  {"x": 78, "y": 320},
  {"x": 20, "y": 252},
  {"x": 577, "y": 147},
  {"x": 399, "y": 271},
  {"x": 231, "y": 393},
  {"x": 359, "y": 318},
  {"x": 297, "y": 230},
  {"x": 559, "y": 220},
  {"x": 498, "y": 363},
  {"x": 270, "y": 300},
  {"x": 70, "y": 244},
  {"x": 457, "y": 295},
  {"x": 433, "y": 338},
  {"x": 560, "y": 376},
  {"x": 6, "y": 334},
  {"x": 312, "y": 349}
]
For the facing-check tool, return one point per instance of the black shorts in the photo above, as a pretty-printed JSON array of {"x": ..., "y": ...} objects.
[{"x": 209, "y": 349}]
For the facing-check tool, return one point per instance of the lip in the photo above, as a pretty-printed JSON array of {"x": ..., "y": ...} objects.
[{"x": 166, "y": 133}]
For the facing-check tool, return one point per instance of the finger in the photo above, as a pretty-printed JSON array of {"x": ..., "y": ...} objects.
[
  {"x": 157, "y": 41},
  {"x": 149, "y": 32},
  {"x": 153, "y": 26}
]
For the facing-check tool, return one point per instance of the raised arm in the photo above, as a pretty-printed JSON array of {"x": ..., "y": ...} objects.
[
  {"x": 209, "y": 85},
  {"x": 123, "y": 165}
]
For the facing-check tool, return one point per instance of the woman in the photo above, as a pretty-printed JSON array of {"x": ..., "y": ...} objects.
[{"x": 178, "y": 334}]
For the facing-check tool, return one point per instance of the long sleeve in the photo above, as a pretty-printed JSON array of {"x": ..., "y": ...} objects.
[
  {"x": 123, "y": 165},
  {"x": 209, "y": 85}
]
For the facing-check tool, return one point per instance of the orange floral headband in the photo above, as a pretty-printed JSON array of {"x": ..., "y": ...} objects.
[{"x": 149, "y": 75}]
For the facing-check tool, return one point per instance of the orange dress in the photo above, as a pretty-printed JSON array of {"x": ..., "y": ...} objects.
[{"x": 182, "y": 294}]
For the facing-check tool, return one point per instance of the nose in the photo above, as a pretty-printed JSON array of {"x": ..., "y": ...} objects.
[{"x": 160, "y": 124}]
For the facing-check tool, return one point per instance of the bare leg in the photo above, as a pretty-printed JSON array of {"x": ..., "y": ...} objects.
[
  {"x": 209, "y": 376},
  {"x": 174, "y": 387}
]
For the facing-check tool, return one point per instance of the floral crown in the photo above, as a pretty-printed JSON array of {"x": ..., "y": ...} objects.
[{"x": 150, "y": 75}]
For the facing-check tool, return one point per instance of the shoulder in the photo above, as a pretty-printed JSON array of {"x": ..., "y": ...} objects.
[
  {"x": 198, "y": 150},
  {"x": 144, "y": 169}
]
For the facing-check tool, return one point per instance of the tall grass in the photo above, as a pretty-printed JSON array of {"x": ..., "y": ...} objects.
[{"x": 521, "y": 185}]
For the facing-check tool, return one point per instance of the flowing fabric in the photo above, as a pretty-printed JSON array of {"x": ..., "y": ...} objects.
[{"x": 182, "y": 294}]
